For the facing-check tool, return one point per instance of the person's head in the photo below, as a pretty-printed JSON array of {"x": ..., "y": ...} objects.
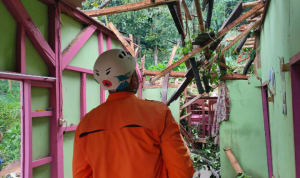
[{"x": 115, "y": 71}]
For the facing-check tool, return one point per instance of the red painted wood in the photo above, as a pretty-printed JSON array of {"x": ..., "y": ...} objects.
[
  {"x": 18, "y": 76},
  {"x": 100, "y": 50},
  {"x": 71, "y": 128},
  {"x": 41, "y": 113},
  {"x": 85, "y": 19},
  {"x": 56, "y": 131},
  {"x": 42, "y": 161},
  {"x": 28, "y": 130},
  {"x": 295, "y": 80},
  {"x": 108, "y": 43},
  {"x": 79, "y": 69},
  {"x": 77, "y": 46},
  {"x": 41, "y": 84},
  {"x": 267, "y": 129},
  {"x": 295, "y": 59},
  {"x": 21, "y": 49},
  {"x": 22, "y": 128},
  {"x": 82, "y": 95},
  {"x": 20, "y": 15}
]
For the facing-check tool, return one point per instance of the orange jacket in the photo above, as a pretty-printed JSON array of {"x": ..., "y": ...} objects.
[{"x": 127, "y": 137}]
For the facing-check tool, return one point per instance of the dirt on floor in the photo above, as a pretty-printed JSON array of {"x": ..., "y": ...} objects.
[{"x": 12, "y": 170}]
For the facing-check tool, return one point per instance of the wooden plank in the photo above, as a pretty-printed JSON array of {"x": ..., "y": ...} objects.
[
  {"x": 18, "y": 76},
  {"x": 55, "y": 93},
  {"x": 160, "y": 86},
  {"x": 248, "y": 47},
  {"x": 21, "y": 16},
  {"x": 72, "y": 49},
  {"x": 237, "y": 11},
  {"x": 172, "y": 74},
  {"x": 196, "y": 75},
  {"x": 209, "y": 14},
  {"x": 285, "y": 67},
  {"x": 220, "y": 34},
  {"x": 166, "y": 78},
  {"x": 21, "y": 49},
  {"x": 242, "y": 59},
  {"x": 42, "y": 161},
  {"x": 175, "y": 16},
  {"x": 283, "y": 88},
  {"x": 236, "y": 166},
  {"x": 82, "y": 95},
  {"x": 100, "y": 51},
  {"x": 234, "y": 77},
  {"x": 182, "y": 117},
  {"x": 250, "y": 4},
  {"x": 193, "y": 100},
  {"x": 242, "y": 42},
  {"x": 188, "y": 138},
  {"x": 131, "y": 41},
  {"x": 41, "y": 113},
  {"x": 79, "y": 69},
  {"x": 238, "y": 38},
  {"x": 186, "y": 10},
  {"x": 121, "y": 39},
  {"x": 28, "y": 131},
  {"x": 127, "y": 7},
  {"x": 41, "y": 84}
]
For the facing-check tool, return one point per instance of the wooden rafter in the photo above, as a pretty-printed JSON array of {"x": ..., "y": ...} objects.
[
  {"x": 21, "y": 16},
  {"x": 172, "y": 74},
  {"x": 72, "y": 49},
  {"x": 128, "y": 7},
  {"x": 220, "y": 34},
  {"x": 166, "y": 79},
  {"x": 176, "y": 17},
  {"x": 186, "y": 10},
  {"x": 250, "y": 4},
  {"x": 120, "y": 37},
  {"x": 238, "y": 38}
]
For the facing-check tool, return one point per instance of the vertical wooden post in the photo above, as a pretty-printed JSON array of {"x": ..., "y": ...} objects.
[
  {"x": 82, "y": 94},
  {"x": 56, "y": 103},
  {"x": 100, "y": 50},
  {"x": 27, "y": 131},
  {"x": 21, "y": 49}
]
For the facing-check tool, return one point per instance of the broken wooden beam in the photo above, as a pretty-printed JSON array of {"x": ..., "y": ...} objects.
[
  {"x": 242, "y": 42},
  {"x": 183, "y": 117},
  {"x": 166, "y": 78},
  {"x": 196, "y": 75},
  {"x": 236, "y": 166},
  {"x": 172, "y": 74},
  {"x": 188, "y": 138},
  {"x": 128, "y": 7},
  {"x": 209, "y": 13},
  {"x": 234, "y": 77},
  {"x": 120, "y": 37},
  {"x": 220, "y": 34},
  {"x": 250, "y": 4},
  {"x": 238, "y": 38},
  {"x": 186, "y": 10},
  {"x": 253, "y": 20},
  {"x": 248, "y": 47},
  {"x": 192, "y": 100},
  {"x": 173, "y": 10}
]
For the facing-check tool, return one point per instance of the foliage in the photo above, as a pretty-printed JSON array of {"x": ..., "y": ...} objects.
[
  {"x": 243, "y": 175},
  {"x": 10, "y": 122}
]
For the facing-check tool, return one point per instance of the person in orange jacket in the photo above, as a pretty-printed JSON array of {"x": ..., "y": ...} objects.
[{"x": 127, "y": 137}]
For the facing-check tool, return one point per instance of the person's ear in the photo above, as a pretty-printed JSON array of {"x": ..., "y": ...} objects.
[{"x": 133, "y": 80}]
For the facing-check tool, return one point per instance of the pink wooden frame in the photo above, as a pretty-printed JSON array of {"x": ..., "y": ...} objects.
[
  {"x": 79, "y": 69},
  {"x": 71, "y": 128},
  {"x": 267, "y": 127},
  {"x": 21, "y": 49},
  {"x": 42, "y": 161},
  {"x": 82, "y": 95},
  {"x": 27, "y": 156},
  {"x": 41, "y": 113},
  {"x": 295, "y": 80},
  {"x": 20, "y": 14},
  {"x": 41, "y": 84},
  {"x": 100, "y": 50},
  {"x": 19, "y": 76},
  {"x": 77, "y": 46}
]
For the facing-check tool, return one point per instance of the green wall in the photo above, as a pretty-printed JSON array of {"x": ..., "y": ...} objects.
[
  {"x": 244, "y": 132},
  {"x": 155, "y": 94},
  {"x": 280, "y": 37}
]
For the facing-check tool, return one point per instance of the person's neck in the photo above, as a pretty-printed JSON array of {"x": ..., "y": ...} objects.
[{"x": 124, "y": 90}]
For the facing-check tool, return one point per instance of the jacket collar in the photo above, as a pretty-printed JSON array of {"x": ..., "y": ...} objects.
[{"x": 119, "y": 95}]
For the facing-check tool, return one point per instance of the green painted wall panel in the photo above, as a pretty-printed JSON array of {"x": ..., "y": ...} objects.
[
  {"x": 8, "y": 29},
  {"x": 39, "y": 14},
  {"x": 88, "y": 54},
  {"x": 39, "y": 98},
  {"x": 69, "y": 30},
  {"x": 244, "y": 132},
  {"x": 43, "y": 171},
  {"x": 92, "y": 93},
  {"x": 71, "y": 96},
  {"x": 40, "y": 138},
  {"x": 68, "y": 153},
  {"x": 115, "y": 44},
  {"x": 155, "y": 94},
  {"x": 280, "y": 38},
  {"x": 35, "y": 65}
]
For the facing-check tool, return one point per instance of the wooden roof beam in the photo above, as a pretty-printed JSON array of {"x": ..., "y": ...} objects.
[
  {"x": 210, "y": 41},
  {"x": 128, "y": 7},
  {"x": 186, "y": 10},
  {"x": 250, "y": 4}
]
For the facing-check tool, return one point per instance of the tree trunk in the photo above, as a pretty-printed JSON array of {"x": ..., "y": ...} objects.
[
  {"x": 9, "y": 85},
  {"x": 155, "y": 55}
]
